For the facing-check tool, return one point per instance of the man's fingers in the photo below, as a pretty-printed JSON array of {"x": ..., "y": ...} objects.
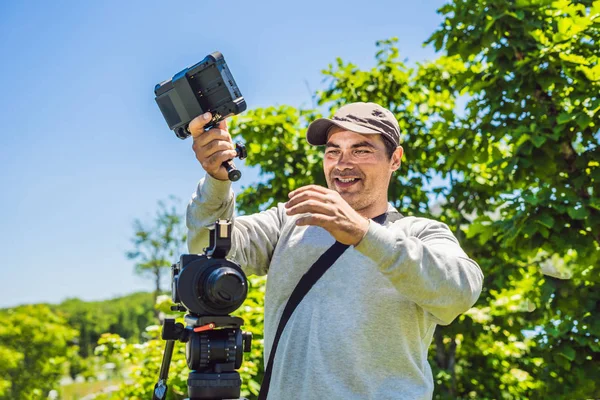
[
  {"x": 210, "y": 135},
  {"x": 315, "y": 188},
  {"x": 196, "y": 127},
  {"x": 314, "y": 219},
  {"x": 302, "y": 189},
  {"x": 222, "y": 125},
  {"x": 212, "y": 146},
  {"x": 215, "y": 146},
  {"x": 310, "y": 206},
  {"x": 214, "y": 162},
  {"x": 307, "y": 195}
]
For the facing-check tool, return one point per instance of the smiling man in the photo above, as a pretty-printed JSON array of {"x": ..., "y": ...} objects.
[{"x": 363, "y": 330}]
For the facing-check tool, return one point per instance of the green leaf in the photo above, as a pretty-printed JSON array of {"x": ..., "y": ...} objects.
[
  {"x": 531, "y": 198},
  {"x": 574, "y": 58},
  {"x": 583, "y": 121},
  {"x": 546, "y": 220},
  {"x": 518, "y": 15},
  {"x": 567, "y": 352},
  {"x": 529, "y": 228},
  {"x": 563, "y": 118},
  {"x": 562, "y": 361},
  {"x": 593, "y": 74},
  {"x": 578, "y": 213},
  {"x": 538, "y": 140}
]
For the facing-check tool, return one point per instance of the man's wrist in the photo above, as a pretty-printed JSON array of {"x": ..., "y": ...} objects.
[
  {"x": 216, "y": 189},
  {"x": 363, "y": 230}
]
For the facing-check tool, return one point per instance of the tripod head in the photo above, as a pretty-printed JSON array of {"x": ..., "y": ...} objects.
[{"x": 214, "y": 348}]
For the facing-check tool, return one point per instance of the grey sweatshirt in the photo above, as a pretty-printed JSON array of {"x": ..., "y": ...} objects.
[{"x": 363, "y": 330}]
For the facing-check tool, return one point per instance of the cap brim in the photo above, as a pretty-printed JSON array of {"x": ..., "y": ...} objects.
[{"x": 318, "y": 129}]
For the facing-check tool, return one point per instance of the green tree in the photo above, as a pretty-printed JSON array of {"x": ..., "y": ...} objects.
[
  {"x": 275, "y": 144},
  {"x": 158, "y": 244},
  {"x": 35, "y": 345},
  {"x": 127, "y": 316},
  {"x": 533, "y": 78}
]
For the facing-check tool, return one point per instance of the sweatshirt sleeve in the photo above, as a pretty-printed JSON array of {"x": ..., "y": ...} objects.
[
  {"x": 427, "y": 265},
  {"x": 254, "y": 237}
]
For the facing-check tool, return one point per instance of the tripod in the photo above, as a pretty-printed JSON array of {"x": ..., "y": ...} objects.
[{"x": 214, "y": 350}]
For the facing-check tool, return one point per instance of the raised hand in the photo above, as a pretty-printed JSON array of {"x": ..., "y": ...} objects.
[
  {"x": 212, "y": 147},
  {"x": 326, "y": 208}
]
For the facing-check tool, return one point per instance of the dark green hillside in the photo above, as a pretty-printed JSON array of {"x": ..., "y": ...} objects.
[{"x": 126, "y": 316}]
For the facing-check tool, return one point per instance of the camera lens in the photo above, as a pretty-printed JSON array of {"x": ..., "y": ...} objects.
[
  {"x": 225, "y": 286},
  {"x": 210, "y": 286}
]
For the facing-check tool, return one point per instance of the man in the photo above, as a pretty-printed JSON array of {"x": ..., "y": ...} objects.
[{"x": 363, "y": 330}]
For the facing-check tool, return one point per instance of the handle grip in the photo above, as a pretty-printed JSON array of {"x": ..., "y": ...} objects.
[{"x": 233, "y": 173}]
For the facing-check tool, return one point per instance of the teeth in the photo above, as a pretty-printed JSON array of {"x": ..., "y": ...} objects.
[{"x": 346, "y": 180}]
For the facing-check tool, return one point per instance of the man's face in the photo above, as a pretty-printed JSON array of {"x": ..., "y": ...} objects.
[{"x": 358, "y": 168}]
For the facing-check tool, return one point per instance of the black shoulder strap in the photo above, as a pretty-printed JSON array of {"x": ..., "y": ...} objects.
[
  {"x": 390, "y": 216},
  {"x": 307, "y": 281}
]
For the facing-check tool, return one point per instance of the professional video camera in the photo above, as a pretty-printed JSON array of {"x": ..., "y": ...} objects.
[{"x": 208, "y": 287}]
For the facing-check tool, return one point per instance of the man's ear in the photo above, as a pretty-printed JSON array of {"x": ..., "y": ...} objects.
[{"x": 397, "y": 158}]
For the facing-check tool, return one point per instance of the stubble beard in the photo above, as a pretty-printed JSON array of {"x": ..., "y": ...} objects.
[{"x": 357, "y": 200}]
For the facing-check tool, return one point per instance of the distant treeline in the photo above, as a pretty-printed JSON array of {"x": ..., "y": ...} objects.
[
  {"x": 126, "y": 316},
  {"x": 41, "y": 343}
]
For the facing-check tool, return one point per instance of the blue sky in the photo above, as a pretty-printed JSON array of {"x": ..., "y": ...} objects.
[{"x": 84, "y": 149}]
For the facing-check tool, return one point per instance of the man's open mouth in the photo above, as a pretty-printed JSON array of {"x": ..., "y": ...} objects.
[{"x": 345, "y": 182}]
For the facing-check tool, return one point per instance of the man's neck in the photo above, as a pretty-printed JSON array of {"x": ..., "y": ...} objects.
[{"x": 374, "y": 210}]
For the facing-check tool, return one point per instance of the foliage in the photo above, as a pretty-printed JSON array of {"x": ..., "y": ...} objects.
[
  {"x": 159, "y": 244},
  {"x": 532, "y": 74},
  {"x": 35, "y": 344},
  {"x": 143, "y": 360},
  {"x": 275, "y": 142},
  {"x": 126, "y": 316}
]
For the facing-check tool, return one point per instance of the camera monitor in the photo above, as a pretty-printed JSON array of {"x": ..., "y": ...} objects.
[{"x": 207, "y": 86}]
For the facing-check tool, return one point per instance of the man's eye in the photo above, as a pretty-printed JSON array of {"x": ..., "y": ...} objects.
[
  {"x": 362, "y": 151},
  {"x": 332, "y": 152}
]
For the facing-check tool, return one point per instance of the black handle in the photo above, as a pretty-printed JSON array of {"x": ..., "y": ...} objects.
[{"x": 233, "y": 173}]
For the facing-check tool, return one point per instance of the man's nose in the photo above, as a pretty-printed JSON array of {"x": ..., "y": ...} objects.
[{"x": 345, "y": 161}]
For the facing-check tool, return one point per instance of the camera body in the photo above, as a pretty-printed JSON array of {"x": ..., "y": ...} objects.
[
  {"x": 209, "y": 284},
  {"x": 207, "y": 86}
]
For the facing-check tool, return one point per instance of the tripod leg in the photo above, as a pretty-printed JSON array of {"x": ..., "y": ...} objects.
[{"x": 160, "y": 389}]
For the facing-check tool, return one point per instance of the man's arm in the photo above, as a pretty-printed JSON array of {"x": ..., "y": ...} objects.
[
  {"x": 254, "y": 237},
  {"x": 428, "y": 266}
]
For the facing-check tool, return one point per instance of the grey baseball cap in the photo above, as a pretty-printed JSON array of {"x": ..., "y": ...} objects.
[{"x": 365, "y": 118}]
